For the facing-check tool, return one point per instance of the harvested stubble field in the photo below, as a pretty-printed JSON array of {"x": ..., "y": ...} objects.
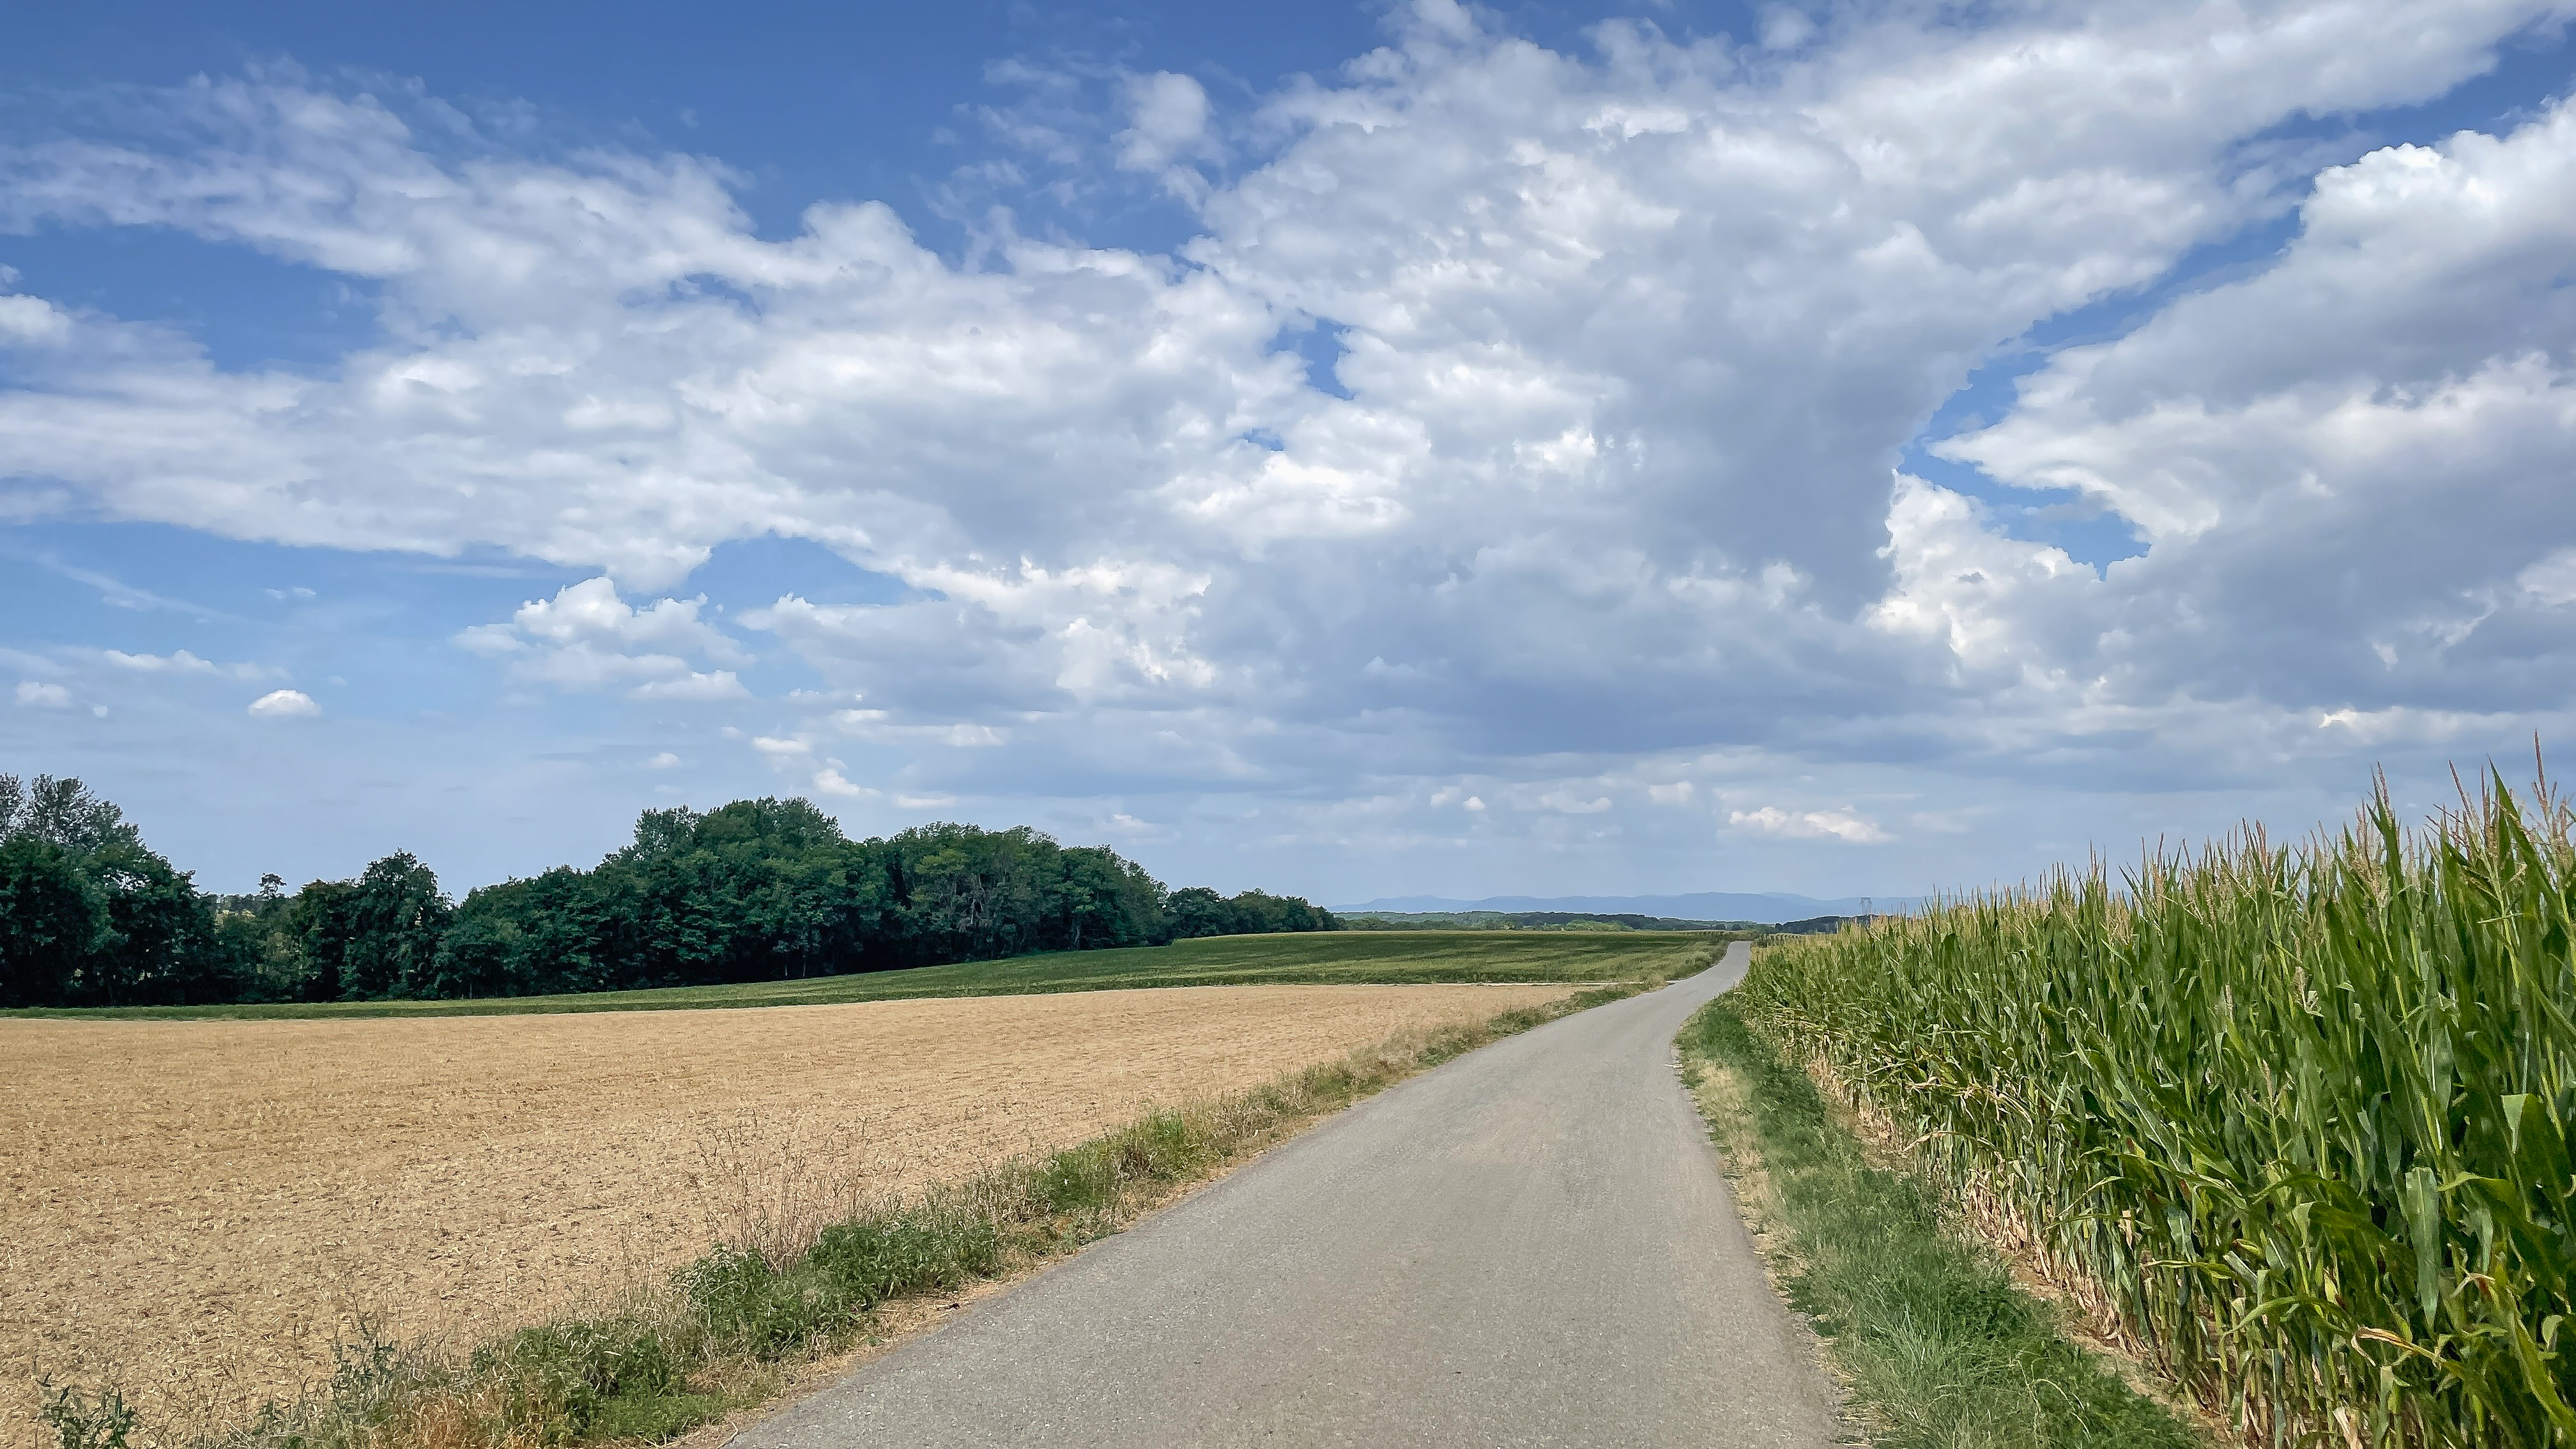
[{"x": 202, "y": 1208}]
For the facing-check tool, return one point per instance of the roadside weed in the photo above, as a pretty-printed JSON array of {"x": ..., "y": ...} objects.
[{"x": 86, "y": 1421}]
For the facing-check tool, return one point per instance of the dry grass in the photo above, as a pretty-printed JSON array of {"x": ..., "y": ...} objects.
[{"x": 204, "y": 1207}]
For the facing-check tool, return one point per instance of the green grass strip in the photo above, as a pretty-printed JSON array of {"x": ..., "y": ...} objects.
[{"x": 1938, "y": 1346}]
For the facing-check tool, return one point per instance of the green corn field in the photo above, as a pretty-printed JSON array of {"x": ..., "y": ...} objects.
[{"x": 2301, "y": 1114}]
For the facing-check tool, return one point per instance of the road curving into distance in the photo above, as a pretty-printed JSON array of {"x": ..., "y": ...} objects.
[{"x": 1532, "y": 1245}]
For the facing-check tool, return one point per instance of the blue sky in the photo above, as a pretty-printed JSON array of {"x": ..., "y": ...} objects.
[{"x": 1352, "y": 450}]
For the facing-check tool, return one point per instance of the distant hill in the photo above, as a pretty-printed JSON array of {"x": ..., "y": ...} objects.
[{"x": 1768, "y": 908}]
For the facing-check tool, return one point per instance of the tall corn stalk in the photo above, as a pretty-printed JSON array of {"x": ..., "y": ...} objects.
[{"x": 2302, "y": 1115}]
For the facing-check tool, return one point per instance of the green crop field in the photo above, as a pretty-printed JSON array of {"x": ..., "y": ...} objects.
[
  {"x": 1317, "y": 958},
  {"x": 2301, "y": 1115}
]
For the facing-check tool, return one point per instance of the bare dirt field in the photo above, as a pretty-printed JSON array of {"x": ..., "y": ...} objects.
[{"x": 202, "y": 1208}]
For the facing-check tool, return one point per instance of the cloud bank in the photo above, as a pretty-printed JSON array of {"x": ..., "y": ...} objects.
[{"x": 1595, "y": 523}]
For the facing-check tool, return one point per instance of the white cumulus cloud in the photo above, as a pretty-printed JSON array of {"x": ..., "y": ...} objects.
[
  {"x": 1168, "y": 120},
  {"x": 1844, "y": 825},
  {"x": 2350, "y": 469},
  {"x": 284, "y": 704},
  {"x": 181, "y": 662},
  {"x": 589, "y": 638}
]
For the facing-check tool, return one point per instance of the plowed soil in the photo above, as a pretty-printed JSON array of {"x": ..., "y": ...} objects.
[{"x": 202, "y": 1208}]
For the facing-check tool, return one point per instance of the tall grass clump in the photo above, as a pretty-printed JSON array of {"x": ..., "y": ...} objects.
[{"x": 2297, "y": 1119}]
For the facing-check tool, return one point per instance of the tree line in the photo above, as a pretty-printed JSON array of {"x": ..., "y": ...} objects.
[{"x": 755, "y": 890}]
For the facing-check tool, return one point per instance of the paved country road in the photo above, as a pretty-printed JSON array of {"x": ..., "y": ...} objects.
[{"x": 1532, "y": 1245}]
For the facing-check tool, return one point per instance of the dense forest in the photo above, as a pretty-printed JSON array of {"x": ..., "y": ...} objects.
[{"x": 755, "y": 890}]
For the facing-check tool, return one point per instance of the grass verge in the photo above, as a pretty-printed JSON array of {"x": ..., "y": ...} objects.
[
  {"x": 732, "y": 1329},
  {"x": 1935, "y": 1342}
]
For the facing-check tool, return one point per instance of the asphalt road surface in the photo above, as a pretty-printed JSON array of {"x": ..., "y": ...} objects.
[{"x": 1532, "y": 1245}]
